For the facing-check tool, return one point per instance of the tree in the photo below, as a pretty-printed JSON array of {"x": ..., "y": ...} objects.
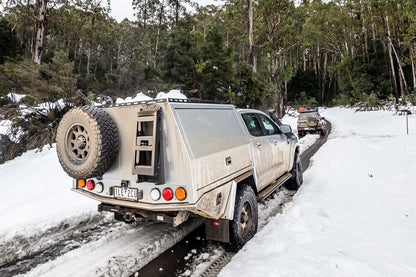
[{"x": 9, "y": 44}]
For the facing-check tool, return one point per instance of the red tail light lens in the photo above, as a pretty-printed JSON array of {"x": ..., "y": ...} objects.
[
  {"x": 90, "y": 185},
  {"x": 167, "y": 194}
]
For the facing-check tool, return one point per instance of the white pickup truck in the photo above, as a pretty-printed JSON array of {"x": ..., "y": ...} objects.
[{"x": 166, "y": 160}]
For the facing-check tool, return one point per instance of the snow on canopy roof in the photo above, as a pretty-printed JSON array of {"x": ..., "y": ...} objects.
[
  {"x": 171, "y": 94},
  {"x": 161, "y": 95},
  {"x": 139, "y": 97}
]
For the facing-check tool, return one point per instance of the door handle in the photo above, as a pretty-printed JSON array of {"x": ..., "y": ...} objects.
[
  {"x": 258, "y": 144},
  {"x": 274, "y": 142}
]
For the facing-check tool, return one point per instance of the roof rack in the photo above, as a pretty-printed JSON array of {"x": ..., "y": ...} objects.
[{"x": 164, "y": 100}]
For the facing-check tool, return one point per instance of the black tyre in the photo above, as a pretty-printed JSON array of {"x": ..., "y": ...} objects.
[
  {"x": 86, "y": 142},
  {"x": 296, "y": 180},
  {"x": 244, "y": 225}
]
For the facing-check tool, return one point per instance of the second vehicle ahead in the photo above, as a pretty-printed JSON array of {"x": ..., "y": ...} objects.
[{"x": 310, "y": 121}]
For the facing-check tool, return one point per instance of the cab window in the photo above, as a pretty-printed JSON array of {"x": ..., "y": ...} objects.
[
  {"x": 269, "y": 127},
  {"x": 252, "y": 124}
]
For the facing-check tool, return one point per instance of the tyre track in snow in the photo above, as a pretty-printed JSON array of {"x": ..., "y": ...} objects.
[
  {"x": 192, "y": 258},
  {"x": 20, "y": 254}
]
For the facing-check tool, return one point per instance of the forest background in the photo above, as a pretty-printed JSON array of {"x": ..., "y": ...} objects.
[{"x": 258, "y": 54}]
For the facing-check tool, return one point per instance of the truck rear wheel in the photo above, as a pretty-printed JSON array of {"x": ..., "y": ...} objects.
[
  {"x": 244, "y": 225},
  {"x": 296, "y": 180},
  {"x": 86, "y": 142}
]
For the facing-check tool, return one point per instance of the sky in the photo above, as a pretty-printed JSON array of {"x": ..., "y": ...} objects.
[{"x": 121, "y": 9}]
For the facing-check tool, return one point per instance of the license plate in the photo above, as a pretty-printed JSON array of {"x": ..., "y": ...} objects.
[{"x": 125, "y": 193}]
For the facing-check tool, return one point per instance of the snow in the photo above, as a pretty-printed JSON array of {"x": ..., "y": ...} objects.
[
  {"x": 171, "y": 94},
  {"x": 161, "y": 95},
  {"x": 5, "y": 126},
  {"x": 355, "y": 213},
  {"x": 139, "y": 97},
  {"x": 16, "y": 98},
  {"x": 35, "y": 194}
]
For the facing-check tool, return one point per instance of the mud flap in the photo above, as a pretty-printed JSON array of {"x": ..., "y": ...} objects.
[{"x": 217, "y": 229}]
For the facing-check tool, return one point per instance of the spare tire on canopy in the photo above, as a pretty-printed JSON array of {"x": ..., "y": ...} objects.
[{"x": 86, "y": 142}]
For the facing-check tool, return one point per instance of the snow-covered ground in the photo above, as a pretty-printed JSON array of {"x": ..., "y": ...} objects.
[{"x": 355, "y": 214}]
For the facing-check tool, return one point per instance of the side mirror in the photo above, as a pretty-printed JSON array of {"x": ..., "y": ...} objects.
[{"x": 286, "y": 129}]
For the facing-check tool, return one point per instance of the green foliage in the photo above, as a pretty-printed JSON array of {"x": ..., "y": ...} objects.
[
  {"x": 344, "y": 99},
  {"x": 35, "y": 129},
  {"x": 44, "y": 83},
  {"x": 199, "y": 65},
  {"x": 412, "y": 99},
  {"x": 304, "y": 86},
  {"x": 361, "y": 78},
  {"x": 306, "y": 101},
  {"x": 248, "y": 89},
  {"x": 8, "y": 40},
  {"x": 60, "y": 76},
  {"x": 217, "y": 73},
  {"x": 327, "y": 50}
]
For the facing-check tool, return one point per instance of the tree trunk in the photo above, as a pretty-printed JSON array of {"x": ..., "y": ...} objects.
[
  {"x": 393, "y": 74},
  {"x": 389, "y": 46},
  {"x": 88, "y": 60},
  {"x": 412, "y": 56},
  {"x": 304, "y": 60},
  {"x": 157, "y": 42},
  {"x": 252, "y": 54},
  {"x": 276, "y": 82},
  {"x": 41, "y": 10},
  {"x": 403, "y": 83},
  {"x": 324, "y": 79},
  {"x": 24, "y": 37}
]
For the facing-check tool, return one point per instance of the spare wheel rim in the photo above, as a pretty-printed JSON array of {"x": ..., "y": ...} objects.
[{"x": 78, "y": 143}]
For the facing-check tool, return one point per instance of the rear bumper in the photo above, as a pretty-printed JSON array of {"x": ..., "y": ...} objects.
[
  {"x": 138, "y": 205},
  {"x": 214, "y": 203},
  {"x": 309, "y": 129}
]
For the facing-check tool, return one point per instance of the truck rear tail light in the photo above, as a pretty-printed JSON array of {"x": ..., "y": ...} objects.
[
  {"x": 155, "y": 194},
  {"x": 99, "y": 187},
  {"x": 180, "y": 194},
  {"x": 167, "y": 194},
  {"x": 81, "y": 183},
  {"x": 90, "y": 185}
]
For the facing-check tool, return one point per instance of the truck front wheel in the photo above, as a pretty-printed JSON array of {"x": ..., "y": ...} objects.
[
  {"x": 296, "y": 180},
  {"x": 244, "y": 225}
]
